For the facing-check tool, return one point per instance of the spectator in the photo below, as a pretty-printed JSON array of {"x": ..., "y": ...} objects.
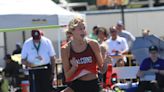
[
  {"x": 68, "y": 38},
  {"x": 38, "y": 55},
  {"x": 124, "y": 33},
  {"x": 117, "y": 46},
  {"x": 80, "y": 59},
  {"x": 93, "y": 35},
  {"x": 145, "y": 32},
  {"x": 11, "y": 70},
  {"x": 18, "y": 49},
  {"x": 155, "y": 66},
  {"x": 102, "y": 35}
]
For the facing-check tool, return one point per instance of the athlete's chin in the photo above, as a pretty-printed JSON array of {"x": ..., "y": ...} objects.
[{"x": 82, "y": 36}]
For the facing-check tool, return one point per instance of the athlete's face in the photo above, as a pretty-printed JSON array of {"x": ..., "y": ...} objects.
[{"x": 79, "y": 31}]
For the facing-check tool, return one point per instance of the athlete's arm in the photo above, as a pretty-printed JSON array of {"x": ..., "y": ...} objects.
[
  {"x": 100, "y": 61},
  {"x": 68, "y": 69}
]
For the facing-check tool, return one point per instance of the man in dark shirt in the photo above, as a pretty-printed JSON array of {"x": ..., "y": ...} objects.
[
  {"x": 11, "y": 70},
  {"x": 150, "y": 65}
]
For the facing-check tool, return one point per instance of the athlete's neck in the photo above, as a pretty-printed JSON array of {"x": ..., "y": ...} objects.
[{"x": 79, "y": 42}]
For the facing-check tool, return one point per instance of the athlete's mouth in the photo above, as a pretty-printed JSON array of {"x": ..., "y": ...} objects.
[{"x": 82, "y": 35}]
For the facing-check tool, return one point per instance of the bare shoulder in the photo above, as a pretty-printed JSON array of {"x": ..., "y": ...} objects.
[
  {"x": 94, "y": 45},
  {"x": 92, "y": 42},
  {"x": 65, "y": 50}
]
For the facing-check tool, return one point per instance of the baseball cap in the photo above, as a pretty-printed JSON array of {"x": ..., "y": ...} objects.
[
  {"x": 120, "y": 23},
  {"x": 153, "y": 48},
  {"x": 36, "y": 34},
  {"x": 18, "y": 44}
]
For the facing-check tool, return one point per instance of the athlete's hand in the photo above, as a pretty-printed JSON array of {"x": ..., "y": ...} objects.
[{"x": 74, "y": 63}]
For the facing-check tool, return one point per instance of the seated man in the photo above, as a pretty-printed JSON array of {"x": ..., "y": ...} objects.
[
  {"x": 152, "y": 66},
  {"x": 11, "y": 70}
]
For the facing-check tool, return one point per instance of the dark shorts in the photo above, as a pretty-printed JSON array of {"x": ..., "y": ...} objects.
[{"x": 85, "y": 86}]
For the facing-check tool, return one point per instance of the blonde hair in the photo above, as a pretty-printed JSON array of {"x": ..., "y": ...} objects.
[{"x": 74, "y": 23}]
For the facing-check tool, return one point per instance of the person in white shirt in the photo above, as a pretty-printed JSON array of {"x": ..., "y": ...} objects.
[
  {"x": 38, "y": 56},
  {"x": 117, "y": 46},
  {"x": 124, "y": 33}
]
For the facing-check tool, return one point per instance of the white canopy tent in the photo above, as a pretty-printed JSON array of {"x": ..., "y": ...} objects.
[{"x": 31, "y": 13}]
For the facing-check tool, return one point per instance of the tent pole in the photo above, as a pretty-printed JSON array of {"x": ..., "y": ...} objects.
[
  {"x": 122, "y": 14},
  {"x": 5, "y": 43},
  {"x": 59, "y": 44},
  {"x": 24, "y": 36}
]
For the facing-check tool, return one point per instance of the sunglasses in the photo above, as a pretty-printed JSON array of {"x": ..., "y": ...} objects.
[{"x": 113, "y": 31}]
